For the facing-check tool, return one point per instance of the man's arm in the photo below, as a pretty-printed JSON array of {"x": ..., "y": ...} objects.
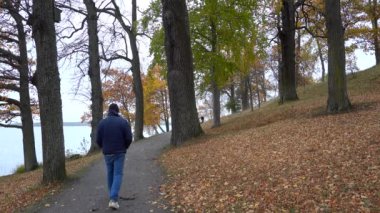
[
  {"x": 99, "y": 136},
  {"x": 128, "y": 134}
]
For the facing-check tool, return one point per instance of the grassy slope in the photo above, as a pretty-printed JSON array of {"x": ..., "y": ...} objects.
[{"x": 292, "y": 157}]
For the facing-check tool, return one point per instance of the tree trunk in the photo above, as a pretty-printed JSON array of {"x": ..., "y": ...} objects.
[
  {"x": 299, "y": 75},
  {"x": 30, "y": 159},
  {"x": 136, "y": 72},
  {"x": 257, "y": 88},
  {"x": 244, "y": 92},
  {"x": 337, "y": 87},
  {"x": 165, "y": 109},
  {"x": 287, "y": 37},
  {"x": 214, "y": 86},
  {"x": 94, "y": 71},
  {"x": 250, "y": 94},
  {"x": 137, "y": 84},
  {"x": 185, "y": 122},
  {"x": 263, "y": 86},
  {"x": 375, "y": 29},
  {"x": 49, "y": 95},
  {"x": 320, "y": 53},
  {"x": 233, "y": 98},
  {"x": 215, "y": 99}
]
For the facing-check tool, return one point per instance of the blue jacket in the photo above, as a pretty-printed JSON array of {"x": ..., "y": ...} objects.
[{"x": 114, "y": 134}]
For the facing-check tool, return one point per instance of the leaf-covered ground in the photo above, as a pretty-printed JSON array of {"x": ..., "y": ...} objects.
[
  {"x": 21, "y": 190},
  {"x": 290, "y": 158}
]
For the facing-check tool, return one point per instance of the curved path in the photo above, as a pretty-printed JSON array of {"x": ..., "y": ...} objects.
[{"x": 140, "y": 189}]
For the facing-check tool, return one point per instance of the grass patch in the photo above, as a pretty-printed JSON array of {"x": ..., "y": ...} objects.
[{"x": 21, "y": 169}]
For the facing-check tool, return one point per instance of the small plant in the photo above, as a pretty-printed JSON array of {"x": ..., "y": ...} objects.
[
  {"x": 83, "y": 146},
  {"x": 19, "y": 169}
]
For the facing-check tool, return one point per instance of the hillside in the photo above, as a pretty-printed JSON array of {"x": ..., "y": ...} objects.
[{"x": 290, "y": 158}]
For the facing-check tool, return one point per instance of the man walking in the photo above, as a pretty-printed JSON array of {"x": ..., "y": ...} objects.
[{"x": 114, "y": 136}]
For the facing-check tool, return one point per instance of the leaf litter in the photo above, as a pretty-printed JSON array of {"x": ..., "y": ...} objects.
[{"x": 281, "y": 159}]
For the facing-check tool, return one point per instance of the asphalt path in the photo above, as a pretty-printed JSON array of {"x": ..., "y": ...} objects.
[{"x": 139, "y": 192}]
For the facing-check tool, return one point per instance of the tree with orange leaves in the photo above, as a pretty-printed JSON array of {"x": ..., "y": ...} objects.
[{"x": 156, "y": 99}]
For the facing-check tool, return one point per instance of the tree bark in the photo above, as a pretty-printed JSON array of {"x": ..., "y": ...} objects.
[
  {"x": 30, "y": 159},
  {"x": 185, "y": 122},
  {"x": 256, "y": 74},
  {"x": 48, "y": 85},
  {"x": 94, "y": 71},
  {"x": 214, "y": 85},
  {"x": 165, "y": 108},
  {"x": 215, "y": 99},
  {"x": 263, "y": 86},
  {"x": 233, "y": 98},
  {"x": 299, "y": 74},
  {"x": 337, "y": 87},
  {"x": 244, "y": 89},
  {"x": 287, "y": 37},
  {"x": 136, "y": 72}
]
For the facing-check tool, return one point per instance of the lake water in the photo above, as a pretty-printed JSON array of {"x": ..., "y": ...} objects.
[{"x": 77, "y": 141}]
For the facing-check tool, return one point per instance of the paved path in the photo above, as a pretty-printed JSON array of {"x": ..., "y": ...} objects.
[{"x": 142, "y": 177}]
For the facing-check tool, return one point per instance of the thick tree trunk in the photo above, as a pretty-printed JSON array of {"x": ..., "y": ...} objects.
[
  {"x": 287, "y": 37},
  {"x": 30, "y": 159},
  {"x": 320, "y": 53},
  {"x": 185, "y": 122},
  {"x": 49, "y": 95},
  {"x": 94, "y": 71},
  {"x": 337, "y": 87}
]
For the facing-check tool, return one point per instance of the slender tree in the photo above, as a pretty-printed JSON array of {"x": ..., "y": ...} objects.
[
  {"x": 337, "y": 87},
  {"x": 185, "y": 122},
  {"x": 94, "y": 70},
  {"x": 131, "y": 30},
  {"x": 49, "y": 95}
]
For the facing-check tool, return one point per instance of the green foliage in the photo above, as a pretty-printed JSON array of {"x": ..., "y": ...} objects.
[
  {"x": 157, "y": 49},
  {"x": 19, "y": 169},
  {"x": 150, "y": 19},
  {"x": 232, "y": 105},
  {"x": 222, "y": 31}
]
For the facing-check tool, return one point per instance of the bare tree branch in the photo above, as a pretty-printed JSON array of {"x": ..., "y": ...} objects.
[
  {"x": 12, "y": 87},
  {"x": 10, "y": 126},
  {"x": 10, "y": 100},
  {"x": 7, "y": 54}
]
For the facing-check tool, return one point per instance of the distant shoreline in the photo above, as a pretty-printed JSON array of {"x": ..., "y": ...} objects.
[{"x": 68, "y": 124}]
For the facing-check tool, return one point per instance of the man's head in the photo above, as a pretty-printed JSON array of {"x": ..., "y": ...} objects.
[{"x": 113, "y": 107}]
